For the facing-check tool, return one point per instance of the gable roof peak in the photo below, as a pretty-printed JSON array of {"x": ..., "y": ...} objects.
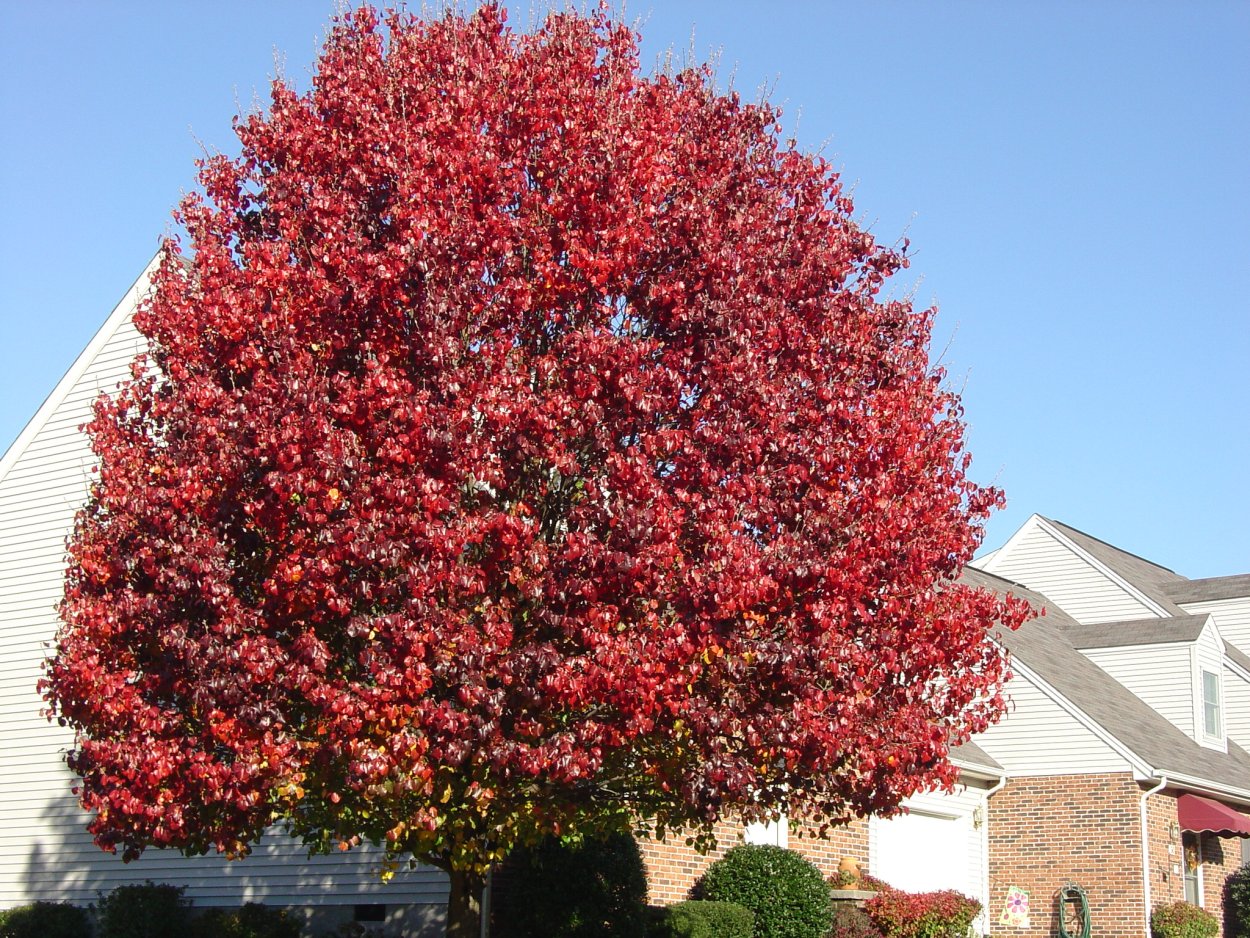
[{"x": 1086, "y": 540}]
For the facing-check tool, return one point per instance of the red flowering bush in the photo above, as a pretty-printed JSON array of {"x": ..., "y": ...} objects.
[{"x": 942, "y": 914}]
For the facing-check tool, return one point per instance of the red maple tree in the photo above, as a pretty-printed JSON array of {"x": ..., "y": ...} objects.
[{"x": 524, "y": 448}]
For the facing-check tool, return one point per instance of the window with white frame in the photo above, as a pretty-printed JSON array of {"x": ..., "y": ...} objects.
[
  {"x": 1192, "y": 850},
  {"x": 1211, "y": 704}
]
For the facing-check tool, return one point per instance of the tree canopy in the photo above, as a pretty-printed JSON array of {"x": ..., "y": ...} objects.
[{"x": 526, "y": 446}]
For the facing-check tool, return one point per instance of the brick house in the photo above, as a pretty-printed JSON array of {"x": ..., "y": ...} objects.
[
  {"x": 1121, "y": 766},
  {"x": 1126, "y": 745}
]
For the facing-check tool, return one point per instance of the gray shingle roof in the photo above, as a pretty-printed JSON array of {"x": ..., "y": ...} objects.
[
  {"x": 1043, "y": 646},
  {"x": 1210, "y": 589},
  {"x": 1237, "y": 656},
  {"x": 1151, "y": 578},
  {"x": 1137, "y": 632},
  {"x": 970, "y": 754}
]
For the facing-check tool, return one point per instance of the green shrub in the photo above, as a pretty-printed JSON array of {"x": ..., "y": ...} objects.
[
  {"x": 701, "y": 918},
  {"x": 1237, "y": 904},
  {"x": 150, "y": 910},
  {"x": 587, "y": 890},
  {"x": 785, "y": 892},
  {"x": 942, "y": 914},
  {"x": 850, "y": 921},
  {"x": 1183, "y": 920},
  {"x": 252, "y": 921},
  {"x": 45, "y": 920}
]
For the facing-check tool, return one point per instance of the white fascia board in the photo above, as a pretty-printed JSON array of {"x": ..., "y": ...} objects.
[
  {"x": 1237, "y": 669},
  {"x": 986, "y": 558},
  {"x": 990, "y": 561},
  {"x": 981, "y": 773},
  {"x": 1207, "y": 787},
  {"x": 1102, "y": 568},
  {"x": 1138, "y": 764},
  {"x": 124, "y": 308}
]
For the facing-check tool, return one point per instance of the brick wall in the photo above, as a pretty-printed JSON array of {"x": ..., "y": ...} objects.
[
  {"x": 1221, "y": 857},
  {"x": 1167, "y": 884},
  {"x": 850, "y": 840},
  {"x": 1045, "y": 832},
  {"x": 1086, "y": 829},
  {"x": 673, "y": 868}
]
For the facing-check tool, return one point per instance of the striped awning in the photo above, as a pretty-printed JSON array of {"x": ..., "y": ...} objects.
[{"x": 1202, "y": 814}]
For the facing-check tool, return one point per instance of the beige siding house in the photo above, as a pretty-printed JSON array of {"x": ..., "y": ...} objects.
[{"x": 45, "y": 852}]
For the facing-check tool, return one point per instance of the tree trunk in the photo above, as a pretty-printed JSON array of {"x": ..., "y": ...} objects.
[{"x": 464, "y": 904}]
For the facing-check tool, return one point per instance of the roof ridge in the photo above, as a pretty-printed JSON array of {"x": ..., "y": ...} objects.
[{"x": 1116, "y": 548}]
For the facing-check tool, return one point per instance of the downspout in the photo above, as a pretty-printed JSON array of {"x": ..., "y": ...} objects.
[
  {"x": 985, "y": 847},
  {"x": 1145, "y": 846}
]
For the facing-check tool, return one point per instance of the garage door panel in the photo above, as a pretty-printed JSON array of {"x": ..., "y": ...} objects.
[{"x": 922, "y": 852}]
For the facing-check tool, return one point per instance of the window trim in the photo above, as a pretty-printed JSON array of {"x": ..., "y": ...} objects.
[{"x": 1212, "y": 709}]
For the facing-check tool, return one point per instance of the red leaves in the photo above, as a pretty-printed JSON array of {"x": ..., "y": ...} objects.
[{"x": 526, "y": 427}]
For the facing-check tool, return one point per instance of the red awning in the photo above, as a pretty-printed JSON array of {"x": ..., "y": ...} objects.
[{"x": 1203, "y": 814}]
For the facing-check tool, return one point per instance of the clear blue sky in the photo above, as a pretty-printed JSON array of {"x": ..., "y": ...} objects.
[{"x": 1073, "y": 177}]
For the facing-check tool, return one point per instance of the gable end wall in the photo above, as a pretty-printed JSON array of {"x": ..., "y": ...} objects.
[
  {"x": 45, "y": 852},
  {"x": 1046, "y": 564}
]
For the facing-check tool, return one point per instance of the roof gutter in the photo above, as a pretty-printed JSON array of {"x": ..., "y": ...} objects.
[
  {"x": 982, "y": 773},
  {"x": 1215, "y": 790},
  {"x": 1145, "y": 848}
]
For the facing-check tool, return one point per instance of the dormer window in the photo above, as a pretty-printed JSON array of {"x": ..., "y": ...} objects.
[{"x": 1211, "y": 704}]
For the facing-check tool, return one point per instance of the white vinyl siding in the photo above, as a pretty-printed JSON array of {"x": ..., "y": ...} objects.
[
  {"x": 1158, "y": 674},
  {"x": 1237, "y": 708},
  {"x": 1232, "y": 618},
  {"x": 1038, "y": 737},
  {"x": 1049, "y": 565},
  {"x": 46, "y": 855},
  {"x": 45, "y": 852}
]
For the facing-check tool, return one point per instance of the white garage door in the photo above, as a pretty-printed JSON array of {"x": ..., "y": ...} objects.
[{"x": 921, "y": 852}]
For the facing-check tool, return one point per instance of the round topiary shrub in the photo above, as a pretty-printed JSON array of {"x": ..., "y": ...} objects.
[
  {"x": 1237, "y": 904},
  {"x": 148, "y": 910},
  {"x": 786, "y": 893},
  {"x": 586, "y": 890},
  {"x": 1183, "y": 920},
  {"x": 45, "y": 920}
]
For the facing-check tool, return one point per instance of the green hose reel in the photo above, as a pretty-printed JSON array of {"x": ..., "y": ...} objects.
[{"x": 1079, "y": 911}]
